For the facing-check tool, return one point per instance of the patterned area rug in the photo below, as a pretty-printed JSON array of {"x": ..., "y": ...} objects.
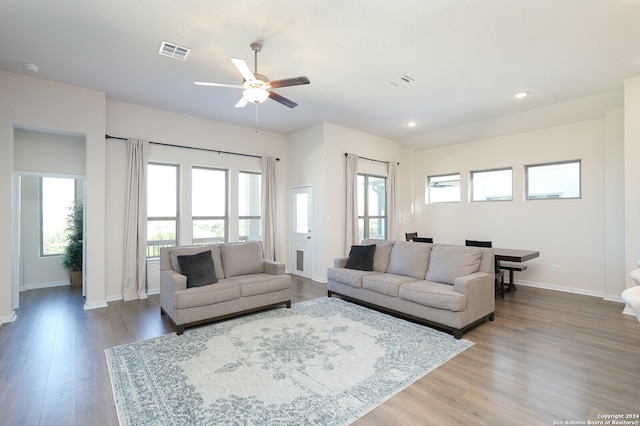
[{"x": 322, "y": 362}]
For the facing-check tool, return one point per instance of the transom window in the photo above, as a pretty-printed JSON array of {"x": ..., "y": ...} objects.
[
  {"x": 553, "y": 180},
  {"x": 443, "y": 188},
  {"x": 372, "y": 207},
  {"x": 492, "y": 185}
]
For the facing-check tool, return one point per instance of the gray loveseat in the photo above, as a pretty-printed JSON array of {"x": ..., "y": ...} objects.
[
  {"x": 246, "y": 282},
  {"x": 448, "y": 287}
]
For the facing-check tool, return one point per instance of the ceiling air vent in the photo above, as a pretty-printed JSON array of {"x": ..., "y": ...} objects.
[
  {"x": 400, "y": 81},
  {"x": 173, "y": 51}
]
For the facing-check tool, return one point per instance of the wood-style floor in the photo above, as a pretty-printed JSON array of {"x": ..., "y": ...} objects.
[{"x": 548, "y": 356}]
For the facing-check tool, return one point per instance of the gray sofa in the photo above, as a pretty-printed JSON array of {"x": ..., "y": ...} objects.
[
  {"x": 246, "y": 282},
  {"x": 447, "y": 287}
]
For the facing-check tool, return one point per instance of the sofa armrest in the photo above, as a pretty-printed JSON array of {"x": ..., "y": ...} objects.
[
  {"x": 170, "y": 282},
  {"x": 479, "y": 288},
  {"x": 340, "y": 262},
  {"x": 273, "y": 268}
]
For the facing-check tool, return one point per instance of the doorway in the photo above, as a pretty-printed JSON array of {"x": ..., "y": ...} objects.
[{"x": 300, "y": 243}]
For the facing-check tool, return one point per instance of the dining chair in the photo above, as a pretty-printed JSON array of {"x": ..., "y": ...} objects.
[
  {"x": 499, "y": 274},
  {"x": 410, "y": 235},
  {"x": 422, "y": 240}
]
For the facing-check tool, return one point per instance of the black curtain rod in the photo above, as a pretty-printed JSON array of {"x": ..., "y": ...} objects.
[
  {"x": 371, "y": 159},
  {"x": 192, "y": 147}
]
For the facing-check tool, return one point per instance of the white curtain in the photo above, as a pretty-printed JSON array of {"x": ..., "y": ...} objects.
[
  {"x": 392, "y": 200},
  {"x": 269, "y": 208},
  {"x": 135, "y": 234},
  {"x": 351, "y": 234}
]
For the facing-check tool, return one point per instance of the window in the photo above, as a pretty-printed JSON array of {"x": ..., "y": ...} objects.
[
  {"x": 372, "y": 207},
  {"x": 492, "y": 185},
  {"x": 553, "y": 180},
  {"x": 162, "y": 207},
  {"x": 443, "y": 188},
  {"x": 249, "y": 205},
  {"x": 57, "y": 196},
  {"x": 209, "y": 205}
]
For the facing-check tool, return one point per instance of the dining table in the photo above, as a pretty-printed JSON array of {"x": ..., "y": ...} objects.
[{"x": 512, "y": 255}]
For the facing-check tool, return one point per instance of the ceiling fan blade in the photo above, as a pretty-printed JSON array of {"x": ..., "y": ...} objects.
[
  {"x": 284, "y": 101},
  {"x": 243, "y": 68},
  {"x": 296, "y": 81},
  {"x": 206, "y": 83},
  {"x": 242, "y": 102}
]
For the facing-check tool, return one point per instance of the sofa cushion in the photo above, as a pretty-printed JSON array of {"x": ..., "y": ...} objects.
[
  {"x": 242, "y": 258},
  {"x": 215, "y": 254},
  {"x": 198, "y": 268},
  {"x": 382, "y": 254},
  {"x": 361, "y": 257},
  {"x": 388, "y": 284},
  {"x": 410, "y": 259},
  {"x": 449, "y": 262},
  {"x": 350, "y": 277},
  {"x": 435, "y": 295},
  {"x": 251, "y": 285},
  {"x": 223, "y": 291}
]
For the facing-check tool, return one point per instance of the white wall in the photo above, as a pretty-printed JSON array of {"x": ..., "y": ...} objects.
[
  {"x": 568, "y": 233},
  {"x": 318, "y": 155},
  {"x": 32, "y": 103},
  {"x": 632, "y": 175},
  {"x": 127, "y": 120}
]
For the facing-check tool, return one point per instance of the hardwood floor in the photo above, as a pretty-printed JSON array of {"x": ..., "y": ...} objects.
[{"x": 547, "y": 356}]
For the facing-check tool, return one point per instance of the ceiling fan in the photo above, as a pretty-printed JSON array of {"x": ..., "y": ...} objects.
[{"x": 257, "y": 87}]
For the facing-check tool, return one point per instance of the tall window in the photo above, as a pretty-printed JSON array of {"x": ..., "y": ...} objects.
[
  {"x": 249, "y": 205},
  {"x": 492, "y": 185},
  {"x": 443, "y": 188},
  {"x": 209, "y": 205},
  {"x": 372, "y": 207},
  {"x": 162, "y": 207},
  {"x": 553, "y": 180},
  {"x": 57, "y": 196}
]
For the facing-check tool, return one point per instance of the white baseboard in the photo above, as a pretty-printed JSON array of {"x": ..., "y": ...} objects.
[
  {"x": 573, "y": 290},
  {"x": 8, "y": 318},
  {"x": 37, "y": 286},
  {"x": 95, "y": 305}
]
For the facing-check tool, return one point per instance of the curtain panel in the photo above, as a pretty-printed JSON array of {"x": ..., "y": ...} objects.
[
  {"x": 392, "y": 200},
  {"x": 269, "y": 208},
  {"x": 351, "y": 234},
  {"x": 135, "y": 244}
]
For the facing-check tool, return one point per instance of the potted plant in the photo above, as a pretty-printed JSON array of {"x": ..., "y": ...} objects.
[{"x": 72, "y": 258}]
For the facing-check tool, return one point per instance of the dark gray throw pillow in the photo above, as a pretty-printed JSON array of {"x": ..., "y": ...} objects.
[
  {"x": 198, "y": 269},
  {"x": 361, "y": 257}
]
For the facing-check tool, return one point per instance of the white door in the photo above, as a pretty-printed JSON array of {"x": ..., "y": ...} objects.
[{"x": 300, "y": 208}]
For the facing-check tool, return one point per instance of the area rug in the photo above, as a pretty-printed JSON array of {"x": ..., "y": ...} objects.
[{"x": 323, "y": 362}]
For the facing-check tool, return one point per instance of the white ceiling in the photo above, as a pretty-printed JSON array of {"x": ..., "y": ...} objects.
[{"x": 467, "y": 57}]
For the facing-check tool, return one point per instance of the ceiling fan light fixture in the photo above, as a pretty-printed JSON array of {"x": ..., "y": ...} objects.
[{"x": 255, "y": 95}]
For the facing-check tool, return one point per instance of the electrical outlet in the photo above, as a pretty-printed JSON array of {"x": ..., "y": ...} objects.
[{"x": 554, "y": 268}]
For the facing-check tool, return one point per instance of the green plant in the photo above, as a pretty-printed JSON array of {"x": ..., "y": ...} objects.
[{"x": 72, "y": 259}]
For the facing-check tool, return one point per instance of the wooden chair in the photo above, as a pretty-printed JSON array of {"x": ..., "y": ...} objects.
[
  {"x": 409, "y": 235},
  {"x": 499, "y": 277}
]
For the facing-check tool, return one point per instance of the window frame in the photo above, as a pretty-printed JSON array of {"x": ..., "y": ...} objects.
[
  {"x": 244, "y": 217},
  {"x": 225, "y": 218},
  {"x": 527, "y": 167},
  {"x": 176, "y": 219},
  {"x": 428, "y": 188},
  {"x": 366, "y": 217},
  {"x": 471, "y": 186}
]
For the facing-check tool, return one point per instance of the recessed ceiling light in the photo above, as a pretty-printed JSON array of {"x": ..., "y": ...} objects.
[
  {"x": 412, "y": 124},
  {"x": 521, "y": 95},
  {"x": 32, "y": 67}
]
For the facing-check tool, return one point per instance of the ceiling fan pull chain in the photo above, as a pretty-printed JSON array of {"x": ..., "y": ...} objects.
[{"x": 256, "y": 118}]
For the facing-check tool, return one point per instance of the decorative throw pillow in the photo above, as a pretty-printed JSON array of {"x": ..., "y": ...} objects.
[
  {"x": 198, "y": 268},
  {"x": 361, "y": 257}
]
